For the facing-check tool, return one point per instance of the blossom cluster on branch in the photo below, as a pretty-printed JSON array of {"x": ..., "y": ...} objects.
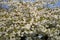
[{"x": 29, "y": 21}]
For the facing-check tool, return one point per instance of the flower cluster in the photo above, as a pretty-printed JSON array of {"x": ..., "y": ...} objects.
[{"x": 29, "y": 21}]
